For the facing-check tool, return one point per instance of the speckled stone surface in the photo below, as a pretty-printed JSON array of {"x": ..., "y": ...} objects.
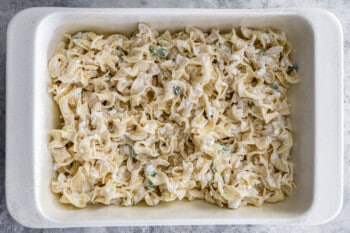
[{"x": 341, "y": 8}]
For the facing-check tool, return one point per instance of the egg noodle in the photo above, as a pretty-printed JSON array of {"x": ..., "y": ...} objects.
[{"x": 157, "y": 117}]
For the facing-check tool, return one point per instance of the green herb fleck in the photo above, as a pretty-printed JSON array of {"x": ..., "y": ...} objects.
[
  {"x": 153, "y": 174},
  {"x": 225, "y": 149},
  {"x": 121, "y": 59},
  {"x": 132, "y": 152},
  {"x": 107, "y": 77},
  {"x": 163, "y": 52},
  {"x": 148, "y": 116},
  {"x": 176, "y": 90},
  {"x": 150, "y": 185},
  {"x": 262, "y": 52},
  {"x": 275, "y": 87},
  {"x": 255, "y": 186},
  {"x": 292, "y": 68},
  {"x": 109, "y": 109},
  {"x": 66, "y": 128},
  {"x": 159, "y": 51}
]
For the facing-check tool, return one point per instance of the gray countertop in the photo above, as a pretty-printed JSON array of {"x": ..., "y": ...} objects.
[{"x": 340, "y": 8}]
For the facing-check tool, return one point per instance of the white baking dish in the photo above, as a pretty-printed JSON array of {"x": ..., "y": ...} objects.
[{"x": 317, "y": 116}]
